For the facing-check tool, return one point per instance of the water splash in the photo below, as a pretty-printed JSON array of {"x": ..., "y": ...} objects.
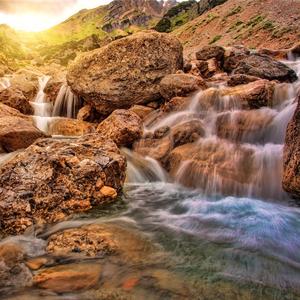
[
  {"x": 66, "y": 103},
  {"x": 143, "y": 169}
]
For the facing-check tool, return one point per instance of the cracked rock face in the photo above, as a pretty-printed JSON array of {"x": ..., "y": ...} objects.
[
  {"x": 54, "y": 178},
  {"x": 125, "y": 72}
]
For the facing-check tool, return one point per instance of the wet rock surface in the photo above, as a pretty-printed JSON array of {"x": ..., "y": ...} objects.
[
  {"x": 159, "y": 144},
  {"x": 291, "y": 159},
  {"x": 70, "y": 127},
  {"x": 123, "y": 127},
  {"x": 16, "y": 99},
  {"x": 125, "y": 72},
  {"x": 69, "y": 278},
  {"x": 18, "y": 133},
  {"x": 180, "y": 85},
  {"x": 13, "y": 271},
  {"x": 53, "y": 179}
]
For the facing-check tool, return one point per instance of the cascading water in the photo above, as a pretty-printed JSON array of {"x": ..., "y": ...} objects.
[
  {"x": 66, "y": 103},
  {"x": 237, "y": 223},
  {"x": 42, "y": 108},
  {"x": 233, "y": 235}
]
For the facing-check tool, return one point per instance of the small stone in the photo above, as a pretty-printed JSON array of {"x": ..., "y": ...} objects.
[{"x": 108, "y": 191}]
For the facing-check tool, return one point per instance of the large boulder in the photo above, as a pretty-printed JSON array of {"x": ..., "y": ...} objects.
[
  {"x": 125, "y": 72},
  {"x": 265, "y": 67},
  {"x": 55, "y": 178},
  {"x": 123, "y": 127},
  {"x": 291, "y": 158},
  {"x": 17, "y": 133},
  {"x": 174, "y": 85}
]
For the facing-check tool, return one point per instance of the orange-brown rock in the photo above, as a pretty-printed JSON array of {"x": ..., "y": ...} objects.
[
  {"x": 55, "y": 178},
  {"x": 253, "y": 95},
  {"x": 126, "y": 71},
  {"x": 13, "y": 272},
  {"x": 209, "y": 52},
  {"x": 123, "y": 127},
  {"x": 238, "y": 79},
  {"x": 164, "y": 140},
  {"x": 105, "y": 239},
  {"x": 15, "y": 98},
  {"x": 70, "y": 127},
  {"x": 291, "y": 158},
  {"x": 141, "y": 110},
  {"x": 17, "y": 133},
  {"x": 7, "y": 111},
  {"x": 243, "y": 125},
  {"x": 179, "y": 85},
  {"x": 68, "y": 278},
  {"x": 208, "y": 165}
]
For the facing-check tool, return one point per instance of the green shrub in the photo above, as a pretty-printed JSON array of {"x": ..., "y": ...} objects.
[{"x": 215, "y": 39}]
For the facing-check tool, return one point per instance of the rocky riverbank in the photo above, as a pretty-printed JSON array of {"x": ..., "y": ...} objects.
[{"x": 214, "y": 123}]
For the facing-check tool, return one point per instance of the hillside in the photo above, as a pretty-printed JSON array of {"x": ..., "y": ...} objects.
[
  {"x": 92, "y": 28},
  {"x": 184, "y": 12},
  {"x": 267, "y": 23},
  {"x": 119, "y": 18}
]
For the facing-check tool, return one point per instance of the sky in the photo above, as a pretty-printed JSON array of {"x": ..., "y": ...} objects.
[{"x": 37, "y": 15}]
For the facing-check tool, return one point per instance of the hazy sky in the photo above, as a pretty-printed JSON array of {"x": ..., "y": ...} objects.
[{"x": 36, "y": 15}]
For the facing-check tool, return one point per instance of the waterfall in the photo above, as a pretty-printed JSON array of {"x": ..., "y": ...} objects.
[
  {"x": 242, "y": 150},
  {"x": 140, "y": 169},
  {"x": 66, "y": 103},
  {"x": 42, "y": 108}
]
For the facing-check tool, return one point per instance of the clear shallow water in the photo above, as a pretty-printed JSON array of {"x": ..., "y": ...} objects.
[{"x": 243, "y": 239}]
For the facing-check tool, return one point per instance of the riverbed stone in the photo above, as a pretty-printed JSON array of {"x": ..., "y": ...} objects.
[
  {"x": 68, "y": 278},
  {"x": 13, "y": 271},
  {"x": 70, "y": 127},
  {"x": 53, "y": 179},
  {"x": 174, "y": 85},
  {"x": 124, "y": 127},
  {"x": 125, "y": 72}
]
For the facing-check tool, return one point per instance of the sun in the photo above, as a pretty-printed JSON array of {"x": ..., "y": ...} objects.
[{"x": 27, "y": 22}]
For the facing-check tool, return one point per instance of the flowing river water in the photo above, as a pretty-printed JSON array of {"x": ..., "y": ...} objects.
[{"x": 224, "y": 238}]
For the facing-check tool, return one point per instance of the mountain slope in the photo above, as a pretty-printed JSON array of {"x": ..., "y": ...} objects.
[
  {"x": 266, "y": 23},
  {"x": 184, "y": 12},
  {"x": 119, "y": 18}
]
